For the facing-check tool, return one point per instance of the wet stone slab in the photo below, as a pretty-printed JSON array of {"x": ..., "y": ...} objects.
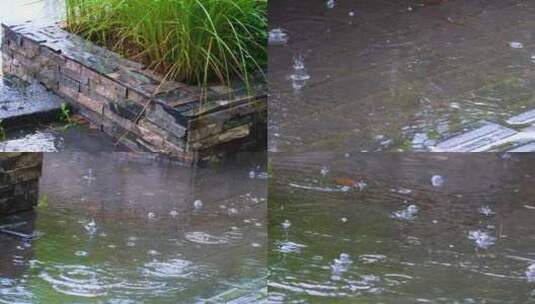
[{"x": 133, "y": 104}]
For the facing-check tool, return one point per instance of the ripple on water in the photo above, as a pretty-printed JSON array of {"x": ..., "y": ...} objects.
[
  {"x": 80, "y": 280},
  {"x": 205, "y": 238},
  {"x": 174, "y": 268}
]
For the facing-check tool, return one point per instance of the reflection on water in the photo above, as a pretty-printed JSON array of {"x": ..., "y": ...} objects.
[
  {"x": 122, "y": 228},
  {"x": 397, "y": 75},
  {"x": 405, "y": 238}
]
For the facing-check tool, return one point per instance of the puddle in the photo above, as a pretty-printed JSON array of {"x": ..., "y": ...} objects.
[
  {"x": 122, "y": 228},
  {"x": 400, "y": 76},
  {"x": 470, "y": 240}
]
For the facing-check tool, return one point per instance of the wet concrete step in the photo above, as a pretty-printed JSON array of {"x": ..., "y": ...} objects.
[
  {"x": 22, "y": 104},
  {"x": 481, "y": 137}
]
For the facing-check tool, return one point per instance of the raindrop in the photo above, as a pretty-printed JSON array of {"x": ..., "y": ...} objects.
[{"x": 437, "y": 181}]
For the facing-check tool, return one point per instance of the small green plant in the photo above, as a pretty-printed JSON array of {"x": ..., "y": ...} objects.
[
  {"x": 65, "y": 114},
  {"x": 2, "y": 131}
]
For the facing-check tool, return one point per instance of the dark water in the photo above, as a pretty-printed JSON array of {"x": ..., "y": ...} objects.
[
  {"x": 392, "y": 75},
  {"x": 125, "y": 228},
  {"x": 469, "y": 239}
]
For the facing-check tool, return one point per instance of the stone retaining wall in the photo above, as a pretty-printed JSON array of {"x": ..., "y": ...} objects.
[
  {"x": 131, "y": 103},
  {"x": 19, "y": 181}
]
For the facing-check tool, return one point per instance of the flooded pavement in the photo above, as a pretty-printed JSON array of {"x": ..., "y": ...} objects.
[
  {"x": 352, "y": 76},
  {"x": 137, "y": 228},
  {"x": 402, "y": 228},
  {"x": 23, "y": 105}
]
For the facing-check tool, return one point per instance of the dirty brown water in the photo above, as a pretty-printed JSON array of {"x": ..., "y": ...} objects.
[
  {"x": 17, "y": 97},
  {"x": 129, "y": 228},
  {"x": 402, "y": 228},
  {"x": 396, "y": 75}
]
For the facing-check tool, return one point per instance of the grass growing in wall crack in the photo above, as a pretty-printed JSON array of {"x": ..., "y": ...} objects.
[{"x": 195, "y": 41}]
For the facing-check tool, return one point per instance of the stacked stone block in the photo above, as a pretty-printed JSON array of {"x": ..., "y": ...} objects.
[
  {"x": 133, "y": 104},
  {"x": 19, "y": 181}
]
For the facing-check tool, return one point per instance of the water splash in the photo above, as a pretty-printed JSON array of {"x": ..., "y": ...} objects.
[
  {"x": 286, "y": 224},
  {"x": 486, "y": 211},
  {"x": 277, "y": 36},
  {"x": 482, "y": 239},
  {"x": 330, "y": 4},
  {"x": 205, "y": 238},
  {"x": 91, "y": 227},
  {"x": 340, "y": 265},
  {"x": 437, "y": 181},
  {"x": 516, "y": 45},
  {"x": 300, "y": 74},
  {"x": 408, "y": 214},
  {"x": 530, "y": 273},
  {"x": 324, "y": 170},
  {"x": 289, "y": 247},
  {"x": 197, "y": 204}
]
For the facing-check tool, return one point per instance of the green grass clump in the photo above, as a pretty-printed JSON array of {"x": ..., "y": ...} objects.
[{"x": 195, "y": 41}]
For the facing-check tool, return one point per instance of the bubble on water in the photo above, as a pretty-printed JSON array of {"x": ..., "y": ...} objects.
[
  {"x": 153, "y": 252},
  {"x": 197, "y": 204},
  {"x": 486, "y": 211},
  {"x": 277, "y": 36},
  {"x": 252, "y": 174},
  {"x": 81, "y": 253},
  {"x": 130, "y": 244},
  {"x": 351, "y": 14},
  {"x": 173, "y": 213},
  {"x": 516, "y": 45},
  {"x": 344, "y": 220},
  {"x": 403, "y": 191},
  {"x": 482, "y": 239},
  {"x": 151, "y": 215},
  {"x": 256, "y": 245},
  {"x": 530, "y": 273},
  {"x": 286, "y": 224},
  {"x": 407, "y": 214},
  {"x": 330, "y": 4},
  {"x": 437, "y": 181},
  {"x": 409, "y": 9},
  {"x": 324, "y": 170},
  {"x": 232, "y": 211}
]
